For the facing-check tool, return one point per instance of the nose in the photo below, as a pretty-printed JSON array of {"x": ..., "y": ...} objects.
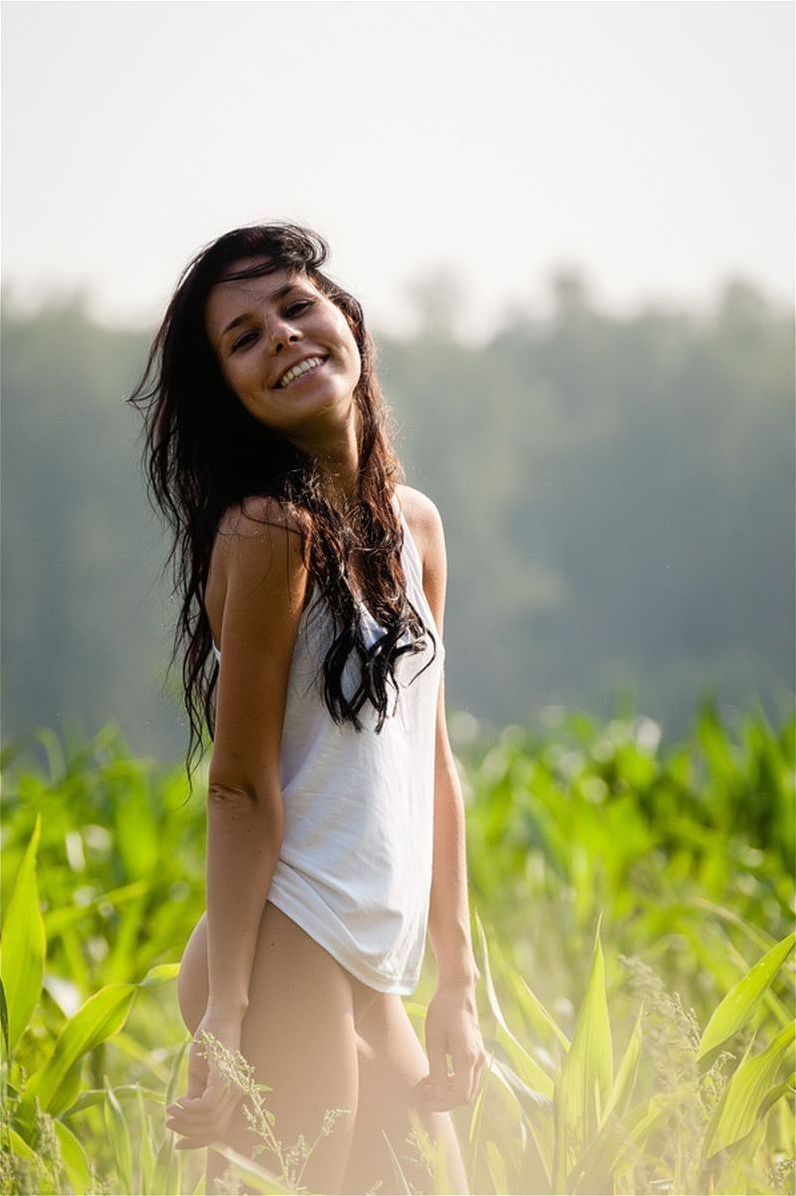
[{"x": 280, "y": 333}]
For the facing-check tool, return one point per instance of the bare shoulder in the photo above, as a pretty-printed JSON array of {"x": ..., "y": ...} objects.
[
  {"x": 251, "y": 536},
  {"x": 421, "y": 512},
  {"x": 255, "y": 530}
]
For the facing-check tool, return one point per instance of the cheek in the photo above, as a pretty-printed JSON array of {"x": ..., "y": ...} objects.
[
  {"x": 352, "y": 349},
  {"x": 239, "y": 375}
]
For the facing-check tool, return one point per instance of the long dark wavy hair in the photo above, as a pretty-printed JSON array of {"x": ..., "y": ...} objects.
[{"x": 204, "y": 452}]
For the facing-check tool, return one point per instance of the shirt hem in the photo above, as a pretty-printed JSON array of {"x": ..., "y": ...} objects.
[{"x": 351, "y": 963}]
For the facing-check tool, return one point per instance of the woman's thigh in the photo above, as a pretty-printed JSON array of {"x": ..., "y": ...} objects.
[
  {"x": 391, "y": 1064},
  {"x": 299, "y": 1035}
]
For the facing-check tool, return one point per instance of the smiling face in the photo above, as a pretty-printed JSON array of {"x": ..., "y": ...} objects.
[{"x": 261, "y": 328}]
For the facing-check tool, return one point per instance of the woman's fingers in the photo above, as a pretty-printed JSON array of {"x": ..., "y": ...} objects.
[
  {"x": 202, "y": 1133},
  {"x": 204, "y": 1114},
  {"x": 196, "y": 1139},
  {"x": 460, "y": 1088},
  {"x": 197, "y": 1083},
  {"x": 209, "y": 1113},
  {"x": 196, "y": 1142},
  {"x": 437, "y": 1096}
]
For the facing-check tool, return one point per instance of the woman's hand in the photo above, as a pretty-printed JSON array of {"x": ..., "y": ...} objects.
[
  {"x": 204, "y": 1113},
  {"x": 452, "y": 1029}
]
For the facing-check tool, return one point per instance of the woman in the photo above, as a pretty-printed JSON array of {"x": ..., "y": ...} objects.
[{"x": 312, "y": 592}]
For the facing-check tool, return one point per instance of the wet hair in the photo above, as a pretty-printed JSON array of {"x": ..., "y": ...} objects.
[{"x": 205, "y": 453}]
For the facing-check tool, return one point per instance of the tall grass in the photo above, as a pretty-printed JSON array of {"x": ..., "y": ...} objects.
[{"x": 633, "y": 928}]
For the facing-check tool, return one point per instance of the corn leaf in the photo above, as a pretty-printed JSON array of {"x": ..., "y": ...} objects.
[
  {"x": 627, "y": 1074},
  {"x": 737, "y": 1171},
  {"x": 119, "y": 1135},
  {"x": 179, "y": 1055},
  {"x": 762, "y": 940},
  {"x": 136, "y": 830},
  {"x": 75, "y": 963},
  {"x": 74, "y": 1157},
  {"x": 96, "y": 1096},
  {"x": 20, "y": 1148},
  {"x": 535, "y": 1116},
  {"x": 786, "y": 1088},
  {"x": 525, "y": 1065},
  {"x": 532, "y": 1101},
  {"x": 741, "y": 1001},
  {"x": 23, "y": 946},
  {"x": 146, "y": 1156},
  {"x": 160, "y": 974},
  {"x": 96, "y": 1020},
  {"x": 168, "y": 1161},
  {"x": 737, "y": 1111},
  {"x": 121, "y": 961},
  {"x": 561, "y": 1141},
  {"x": 167, "y": 1166},
  {"x": 126, "y": 1044},
  {"x": 535, "y": 1010},
  {"x": 618, "y": 1141},
  {"x": 587, "y": 1076},
  {"x": 4, "y": 1020},
  {"x": 496, "y": 1167},
  {"x": 474, "y": 1128},
  {"x": 67, "y": 1090}
]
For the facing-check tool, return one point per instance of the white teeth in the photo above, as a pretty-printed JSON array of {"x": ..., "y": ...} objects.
[{"x": 302, "y": 368}]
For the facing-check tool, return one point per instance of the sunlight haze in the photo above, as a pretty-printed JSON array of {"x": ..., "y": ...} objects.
[{"x": 648, "y": 146}]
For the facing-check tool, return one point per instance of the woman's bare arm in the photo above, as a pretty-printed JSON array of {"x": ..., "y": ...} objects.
[
  {"x": 451, "y": 1029},
  {"x": 265, "y": 585},
  {"x": 449, "y": 916}
]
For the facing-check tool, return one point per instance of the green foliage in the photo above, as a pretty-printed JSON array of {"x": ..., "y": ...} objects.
[
  {"x": 121, "y": 854},
  {"x": 632, "y": 930},
  {"x": 586, "y": 1080},
  {"x": 594, "y": 1138},
  {"x": 686, "y": 853},
  {"x": 23, "y": 948},
  {"x": 741, "y": 1002}
]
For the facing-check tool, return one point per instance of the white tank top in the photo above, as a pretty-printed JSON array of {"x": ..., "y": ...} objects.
[{"x": 355, "y": 866}]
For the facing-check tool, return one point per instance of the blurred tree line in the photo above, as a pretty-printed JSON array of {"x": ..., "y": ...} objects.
[{"x": 617, "y": 494}]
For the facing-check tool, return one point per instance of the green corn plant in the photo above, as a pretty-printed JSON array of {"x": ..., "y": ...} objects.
[
  {"x": 120, "y": 858},
  {"x": 40, "y": 1083},
  {"x": 597, "y": 818},
  {"x": 589, "y": 1127},
  {"x": 682, "y": 863}
]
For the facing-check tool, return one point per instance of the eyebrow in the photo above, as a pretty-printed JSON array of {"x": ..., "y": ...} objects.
[{"x": 278, "y": 294}]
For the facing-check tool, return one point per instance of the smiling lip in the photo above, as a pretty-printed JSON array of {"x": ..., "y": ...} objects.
[{"x": 324, "y": 358}]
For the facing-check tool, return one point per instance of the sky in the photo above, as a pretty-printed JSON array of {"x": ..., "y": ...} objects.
[{"x": 648, "y": 145}]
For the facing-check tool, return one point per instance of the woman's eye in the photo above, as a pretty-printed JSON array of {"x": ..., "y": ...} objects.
[
  {"x": 242, "y": 340},
  {"x": 295, "y": 308}
]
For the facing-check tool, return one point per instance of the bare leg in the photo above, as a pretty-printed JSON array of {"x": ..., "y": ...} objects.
[
  {"x": 299, "y": 1035},
  {"x": 391, "y": 1062}
]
